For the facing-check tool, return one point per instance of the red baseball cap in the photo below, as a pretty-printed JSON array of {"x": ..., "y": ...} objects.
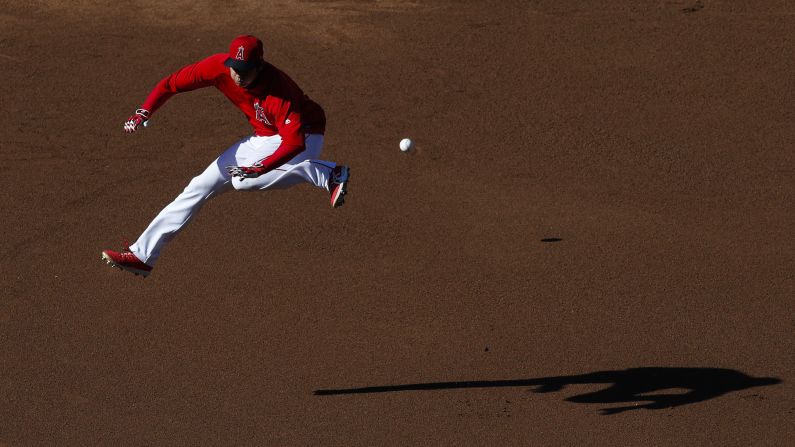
[{"x": 245, "y": 53}]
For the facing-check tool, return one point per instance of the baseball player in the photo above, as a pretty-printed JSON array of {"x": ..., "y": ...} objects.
[{"x": 283, "y": 151}]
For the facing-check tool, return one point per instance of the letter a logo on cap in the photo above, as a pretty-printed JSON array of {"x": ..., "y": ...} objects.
[{"x": 245, "y": 53}]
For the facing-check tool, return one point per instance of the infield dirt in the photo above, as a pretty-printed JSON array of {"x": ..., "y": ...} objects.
[{"x": 591, "y": 245}]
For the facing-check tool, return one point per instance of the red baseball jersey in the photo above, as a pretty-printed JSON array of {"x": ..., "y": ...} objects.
[{"x": 273, "y": 104}]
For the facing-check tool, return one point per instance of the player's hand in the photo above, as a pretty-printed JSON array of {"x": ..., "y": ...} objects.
[
  {"x": 245, "y": 172},
  {"x": 140, "y": 117}
]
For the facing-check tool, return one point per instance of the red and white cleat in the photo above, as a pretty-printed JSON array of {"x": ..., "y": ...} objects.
[
  {"x": 338, "y": 185},
  {"x": 126, "y": 260}
]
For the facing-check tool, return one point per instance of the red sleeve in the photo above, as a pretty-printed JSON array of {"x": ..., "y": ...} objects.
[
  {"x": 290, "y": 126},
  {"x": 201, "y": 74}
]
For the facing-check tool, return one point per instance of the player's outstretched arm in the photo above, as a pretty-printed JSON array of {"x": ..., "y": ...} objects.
[{"x": 190, "y": 77}]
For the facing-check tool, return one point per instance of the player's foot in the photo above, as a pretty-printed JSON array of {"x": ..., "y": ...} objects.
[
  {"x": 126, "y": 260},
  {"x": 338, "y": 185}
]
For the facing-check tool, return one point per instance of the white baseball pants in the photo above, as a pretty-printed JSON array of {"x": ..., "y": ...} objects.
[{"x": 305, "y": 167}]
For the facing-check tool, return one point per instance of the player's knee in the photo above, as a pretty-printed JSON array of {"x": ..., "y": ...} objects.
[{"x": 244, "y": 184}]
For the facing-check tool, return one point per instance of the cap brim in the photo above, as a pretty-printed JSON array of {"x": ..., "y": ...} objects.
[{"x": 239, "y": 65}]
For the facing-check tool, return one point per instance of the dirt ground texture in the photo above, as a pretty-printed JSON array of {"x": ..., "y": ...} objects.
[{"x": 591, "y": 245}]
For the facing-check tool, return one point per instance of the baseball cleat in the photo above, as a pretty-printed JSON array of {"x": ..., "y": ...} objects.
[
  {"x": 338, "y": 185},
  {"x": 126, "y": 260}
]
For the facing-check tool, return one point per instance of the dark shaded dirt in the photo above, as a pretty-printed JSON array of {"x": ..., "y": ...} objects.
[{"x": 591, "y": 245}]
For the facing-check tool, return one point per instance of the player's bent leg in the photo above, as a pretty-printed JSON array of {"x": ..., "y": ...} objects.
[
  {"x": 315, "y": 172},
  {"x": 303, "y": 168}
]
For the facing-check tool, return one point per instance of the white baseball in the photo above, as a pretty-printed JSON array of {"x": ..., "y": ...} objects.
[{"x": 406, "y": 144}]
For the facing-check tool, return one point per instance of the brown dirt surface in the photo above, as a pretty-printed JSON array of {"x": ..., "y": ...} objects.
[{"x": 591, "y": 245}]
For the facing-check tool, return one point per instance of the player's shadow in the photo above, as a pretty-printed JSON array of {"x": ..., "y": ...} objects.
[{"x": 640, "y": 388}]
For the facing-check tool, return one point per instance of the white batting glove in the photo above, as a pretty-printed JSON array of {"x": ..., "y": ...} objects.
[
  {"x": 245, "y": 172},
  {"x": 140, "y": 117}
]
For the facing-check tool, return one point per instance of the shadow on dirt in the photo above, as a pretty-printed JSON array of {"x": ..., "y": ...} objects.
[{"x": 647, "y": 388}]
